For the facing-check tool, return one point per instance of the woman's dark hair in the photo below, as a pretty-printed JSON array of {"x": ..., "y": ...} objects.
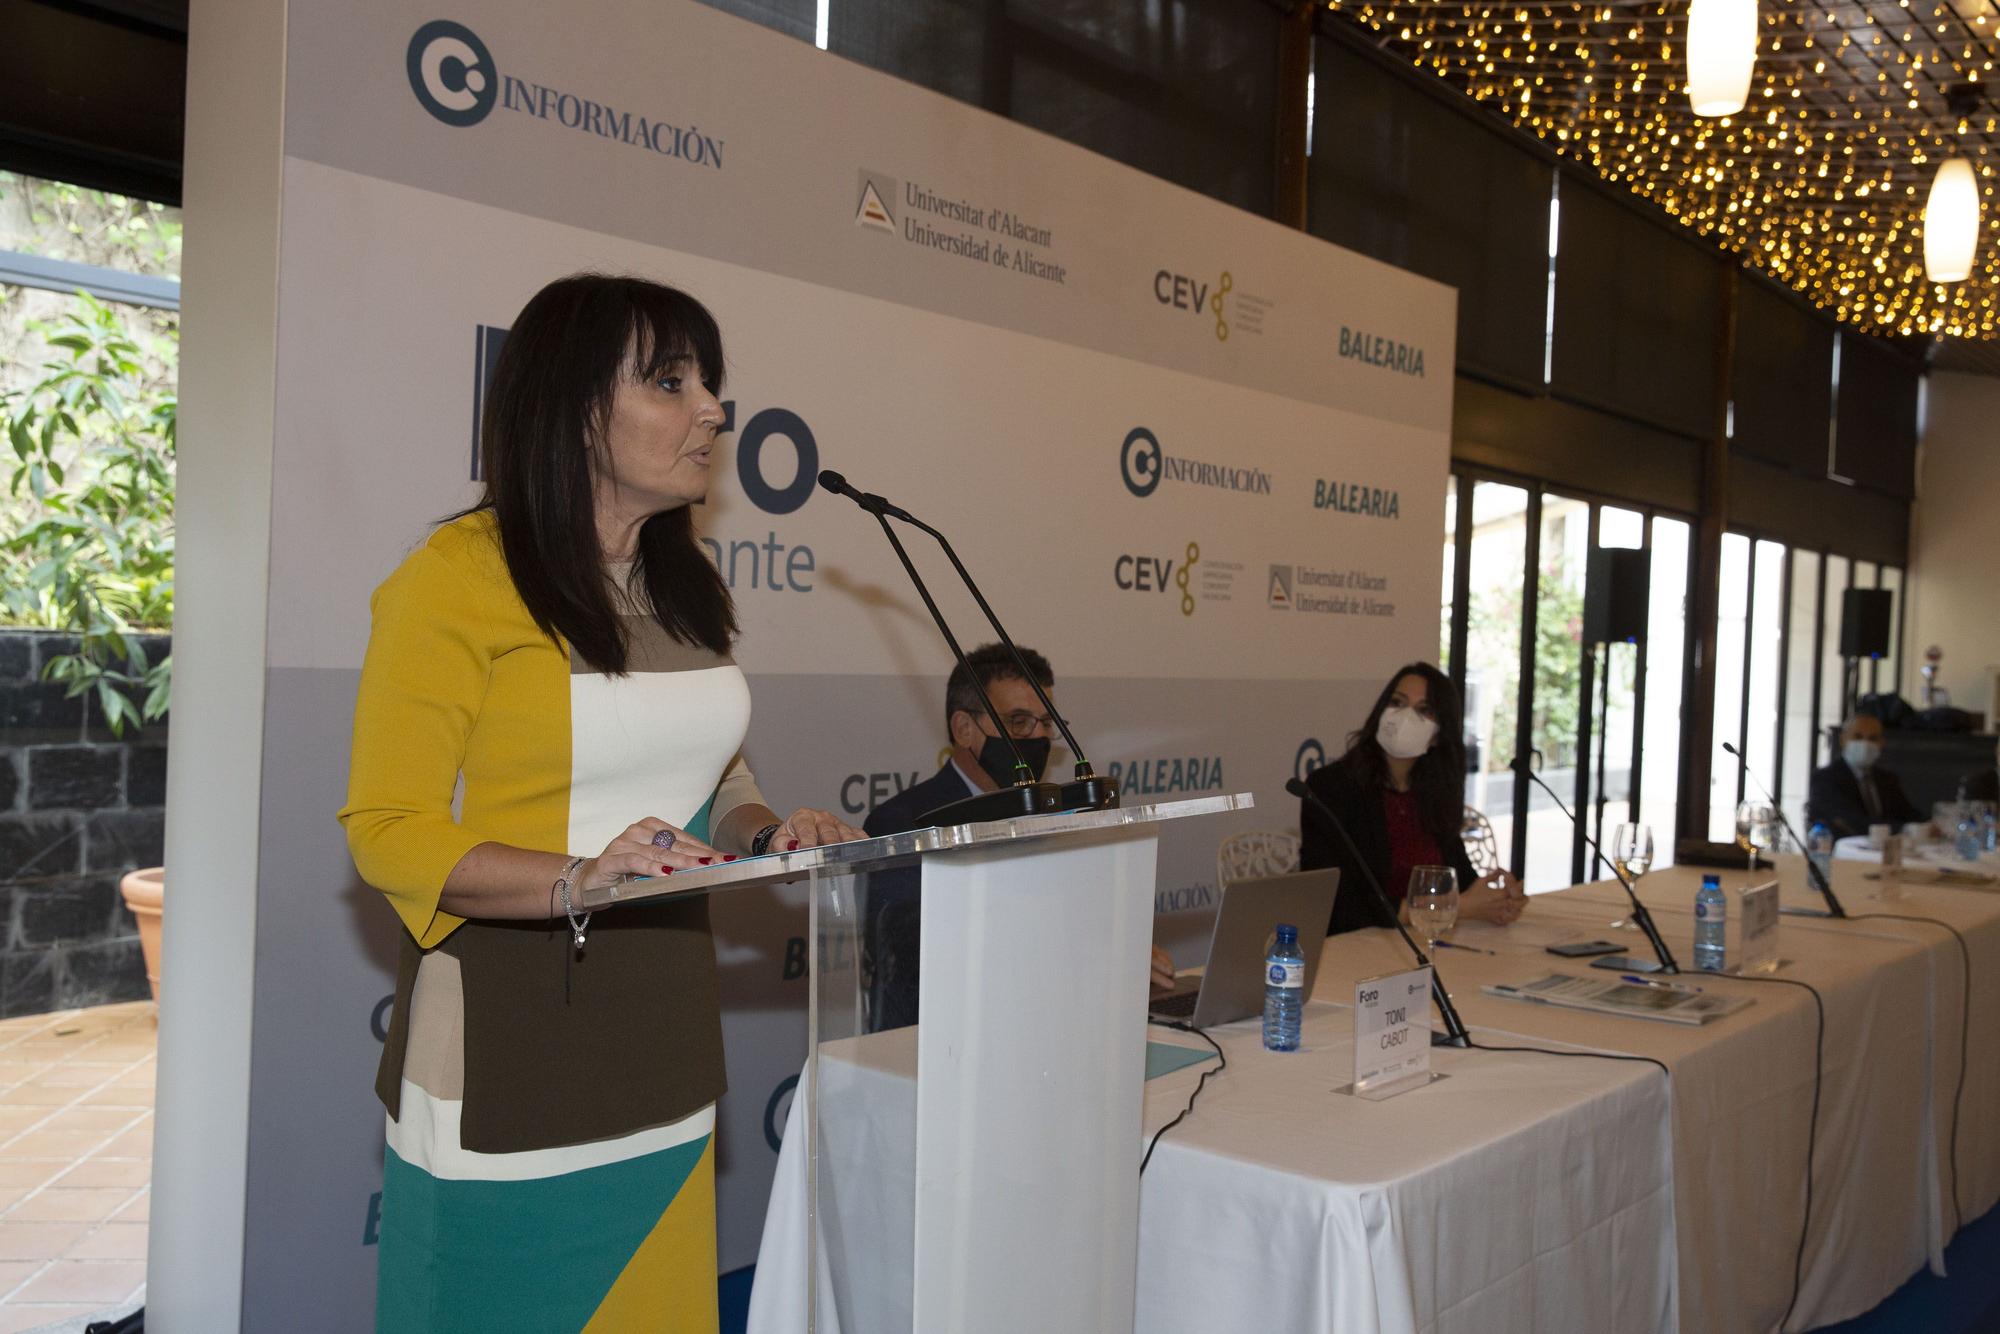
[
  {"x": 1438, "y": 777},
  {"x": 547, "y": 408}
]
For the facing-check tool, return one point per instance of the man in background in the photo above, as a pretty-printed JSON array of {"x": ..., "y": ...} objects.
[
  {"x": 1855, "y": 791},
  {"x": 980, "y": 761}
]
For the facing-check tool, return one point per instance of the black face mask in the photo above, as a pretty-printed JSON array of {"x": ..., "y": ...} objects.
[{"x": 998, "y": 761}]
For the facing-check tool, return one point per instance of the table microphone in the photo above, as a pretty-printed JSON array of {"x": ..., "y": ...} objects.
[
  {"x": 1813, "y": 871},
  {"x": 1454, "y": 1034},
  {"x": 1520, "y": 765},
  {"x": 1086, "y": 791},
  {"x": 1026, "y": 796}
]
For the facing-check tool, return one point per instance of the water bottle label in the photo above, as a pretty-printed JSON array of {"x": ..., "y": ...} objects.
[
  {"x": 1700, "y": 909},
  {"x": 1286, "y": 974}
]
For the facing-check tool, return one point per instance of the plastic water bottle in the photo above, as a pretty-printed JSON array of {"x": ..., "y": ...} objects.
[
  {"x": 1971, "y": 839},
  {"x": 1711, "y": 909},
  {"x": 1284, "y": 991},
  {"x": 1819, "y": 851},
  {"x": 1989, "y": 827}
]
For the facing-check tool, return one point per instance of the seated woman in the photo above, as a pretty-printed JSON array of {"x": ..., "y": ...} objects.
[{"x": 1399, "y": 790}]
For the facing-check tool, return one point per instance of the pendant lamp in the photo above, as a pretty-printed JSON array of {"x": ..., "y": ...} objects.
[
  {"x": 1951, "y": 222},
  {"x": 1721, "y": 55}
]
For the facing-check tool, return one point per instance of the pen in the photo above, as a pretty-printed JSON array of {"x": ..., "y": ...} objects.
[
  {"x": 1454, "y": 945},
  {"x": 1649, "y": 982}
]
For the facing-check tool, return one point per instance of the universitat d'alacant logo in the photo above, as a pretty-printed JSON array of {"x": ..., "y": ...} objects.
[{"x": 452, "y": 73}]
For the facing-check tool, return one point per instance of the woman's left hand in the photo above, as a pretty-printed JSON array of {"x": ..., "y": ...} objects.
[{"x": 809, "y": 828}]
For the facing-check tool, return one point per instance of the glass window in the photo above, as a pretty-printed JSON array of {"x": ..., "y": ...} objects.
[
  {"x": 1760, "y": 704},
  {"x": 1796, "y": 764},
  {"x": 1450, "y": 570},
  {"x": 1620, "y": 528},
  {"x": 1666, "y": 665},
  {"x": 1493, "y": 590},
  {"x": 1557, "y": 695},
  {"x": 1832, "y": 704},
  {"x": 1731, "y": 630}
]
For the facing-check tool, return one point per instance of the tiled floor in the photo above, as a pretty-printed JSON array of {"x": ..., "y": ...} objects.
[{"x": 76, "y": 1160}]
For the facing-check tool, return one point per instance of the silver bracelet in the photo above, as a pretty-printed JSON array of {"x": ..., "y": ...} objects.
[{"x": 576, "y": 927}]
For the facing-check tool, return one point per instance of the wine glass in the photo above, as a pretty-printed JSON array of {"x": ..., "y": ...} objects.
[
  {"x": 1632, "y": 854},
  {"x": 1433, "y": 902},
  {"x": 1756, "y": 830}
]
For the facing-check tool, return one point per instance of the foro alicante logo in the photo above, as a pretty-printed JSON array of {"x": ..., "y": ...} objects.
[
  {"x": 452, "y": 73},
  {"x": 1144, "y": 465}
]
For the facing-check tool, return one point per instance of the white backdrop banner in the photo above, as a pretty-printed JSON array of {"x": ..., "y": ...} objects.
[{"x": 1196, "y": 458}]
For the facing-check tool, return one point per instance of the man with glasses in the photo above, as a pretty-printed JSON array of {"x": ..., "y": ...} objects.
[{"x": 980, "y": 761}]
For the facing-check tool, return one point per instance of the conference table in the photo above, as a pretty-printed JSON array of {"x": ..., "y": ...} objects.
[{"x": 1524, "y": 1191}]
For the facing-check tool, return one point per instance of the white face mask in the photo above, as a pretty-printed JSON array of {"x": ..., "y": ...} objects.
[
  {"x": 1405, "y": 733},
  {"x": 1861, "y": 754}
]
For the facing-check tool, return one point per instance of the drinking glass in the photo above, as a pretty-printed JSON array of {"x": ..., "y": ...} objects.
[
  {"x": 1433, "y": 902},
  {"x": 1756, "y": 830},
  {"x": 1632, "y": 854}
]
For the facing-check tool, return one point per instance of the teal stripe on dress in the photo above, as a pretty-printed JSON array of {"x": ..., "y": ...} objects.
[
  {"x": 698, "y": 826},
  {"x": 532, "y": 1256}
]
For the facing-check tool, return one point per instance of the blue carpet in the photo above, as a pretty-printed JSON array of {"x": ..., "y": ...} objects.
[
  {"x": 1966, "y": 1303},
  {"x": 733, "y": 1290}
]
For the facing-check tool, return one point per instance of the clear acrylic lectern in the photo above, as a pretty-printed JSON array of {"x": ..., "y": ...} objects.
[{"x": 978, "y": 1171}]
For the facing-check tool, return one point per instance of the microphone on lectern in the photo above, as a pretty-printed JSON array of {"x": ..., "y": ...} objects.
[
  {"x": 1027, "y": 795},
  {"x": 1086, "y": 791}
]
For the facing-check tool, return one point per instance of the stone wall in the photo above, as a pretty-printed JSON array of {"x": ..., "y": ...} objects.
[{"x": 78, "y": 808}]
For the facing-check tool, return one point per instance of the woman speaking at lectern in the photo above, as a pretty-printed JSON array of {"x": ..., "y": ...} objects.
[{"x": 563, "y": 650}]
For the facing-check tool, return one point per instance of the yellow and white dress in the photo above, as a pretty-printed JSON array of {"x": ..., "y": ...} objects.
[{"x": 550, "y": 1164}]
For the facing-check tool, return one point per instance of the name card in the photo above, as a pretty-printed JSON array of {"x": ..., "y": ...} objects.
[
  {"x": 1392, "y": 1033},
  {"x": 1754, "y": 926}
]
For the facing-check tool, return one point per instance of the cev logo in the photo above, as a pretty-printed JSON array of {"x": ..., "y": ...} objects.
[
  {"x": 1311, "y": 756},
  {"x": 1139, "y": 462},
  {"x": 1184, "y": 293},
  {"x": 452, "y": 73}
]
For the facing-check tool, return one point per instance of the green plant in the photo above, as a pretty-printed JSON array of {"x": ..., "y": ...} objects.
[{"x": 88, "y": 543}]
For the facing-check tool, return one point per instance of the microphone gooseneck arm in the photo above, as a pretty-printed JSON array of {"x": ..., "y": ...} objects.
[
  {"x": 1813, "y": 871},
  {"x": 835, "y": 482},
  {"x": 875, "y": 505},
  {"x": 1639, "y": 913},
  {"x": 1454, "y": 1027}
]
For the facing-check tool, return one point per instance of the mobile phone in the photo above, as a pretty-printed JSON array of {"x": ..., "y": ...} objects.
[{"x": 1585, "y": 948}]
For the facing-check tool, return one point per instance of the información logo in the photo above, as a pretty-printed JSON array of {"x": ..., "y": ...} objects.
[
  {"x": 452, "y": 73},
  {"x": 454, "y": 78},
  {"x": 1143, "y": 465}
]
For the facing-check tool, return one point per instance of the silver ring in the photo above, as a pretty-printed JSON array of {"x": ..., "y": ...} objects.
[{"x": 664, "y": 840}]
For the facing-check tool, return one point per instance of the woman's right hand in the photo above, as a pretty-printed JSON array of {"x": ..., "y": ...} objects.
[
  {"x": 1488, "y": 901},
  {"x": 633, "y": 853}
]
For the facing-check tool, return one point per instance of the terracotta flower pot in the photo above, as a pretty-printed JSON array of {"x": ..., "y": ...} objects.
[{"x": 145, "y": 892}]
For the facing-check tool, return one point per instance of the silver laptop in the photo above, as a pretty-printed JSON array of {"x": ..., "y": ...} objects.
[{"x": 1231, "y": 985}]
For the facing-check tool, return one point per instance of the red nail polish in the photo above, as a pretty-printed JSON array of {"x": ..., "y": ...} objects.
[
  {"x": 666, "y": 870},
  {"x": 729, "y": 856},
  {"x": 792, "y": 845},
  {"x": 704, "y": 860}
]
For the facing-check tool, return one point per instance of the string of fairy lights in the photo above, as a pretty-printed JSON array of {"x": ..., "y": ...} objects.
[{"x": 1849, "y": 118}]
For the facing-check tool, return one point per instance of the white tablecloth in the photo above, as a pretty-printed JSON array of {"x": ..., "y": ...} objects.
[
  {"x": 1521, "y": 1193},
  {"x": 1529, "y": 1192}
]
